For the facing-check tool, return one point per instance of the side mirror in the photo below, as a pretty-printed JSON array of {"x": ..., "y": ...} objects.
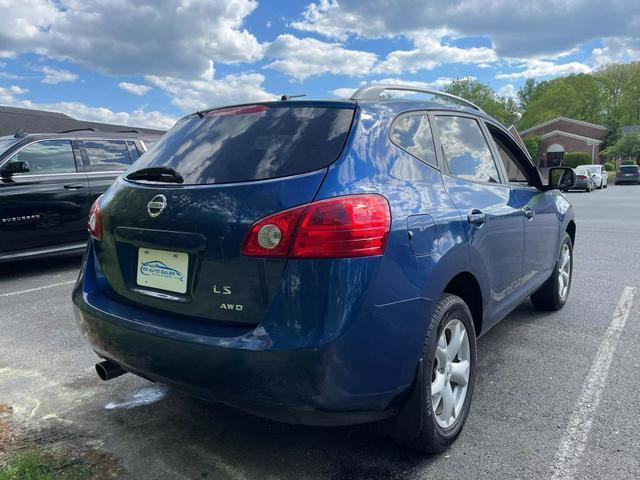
[
  {"x": 14, "y": 167},
  {"x": 562, "y": 178}
]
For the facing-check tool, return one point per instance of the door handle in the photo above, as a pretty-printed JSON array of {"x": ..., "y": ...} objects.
[
  {"x": 528, "y": 212},
  {"x": 476, "y": 217},
  {"x": 75, "y": 186}
]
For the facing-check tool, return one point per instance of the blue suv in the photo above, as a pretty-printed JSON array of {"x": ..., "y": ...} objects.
[{"x": 325, "y": 262}]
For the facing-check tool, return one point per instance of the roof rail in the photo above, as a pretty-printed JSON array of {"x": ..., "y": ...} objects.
[
  {"x": 131, "y": 130},
  {"x": 374, "y": 92},
  {"x": 91, "y": 129}
]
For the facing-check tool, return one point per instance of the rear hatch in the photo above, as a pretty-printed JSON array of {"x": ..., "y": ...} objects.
[
  {"x": 629, "y": 171},
  {"x": 173, "y": 225}
]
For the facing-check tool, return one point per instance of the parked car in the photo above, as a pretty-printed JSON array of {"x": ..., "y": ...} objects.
[
  {"x": 628, "y": 174},
  {"x": 325, "y": 262},
  {"x": 48, "y": 183},
  {"x": 584, "y": 180},
  {"x": 599, "y": 174}
]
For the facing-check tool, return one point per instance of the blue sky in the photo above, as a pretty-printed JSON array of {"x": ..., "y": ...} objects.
[{"x": 149, "y": 62}]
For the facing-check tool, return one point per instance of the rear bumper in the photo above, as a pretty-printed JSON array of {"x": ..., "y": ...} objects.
[
  {"x": 627, "y": 180},
  {"x": 581, "y": 184},
  {"x": 340, "y": 379}
]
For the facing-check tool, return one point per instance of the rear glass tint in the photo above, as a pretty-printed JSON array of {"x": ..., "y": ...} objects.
[
  {"x": 629, "y": 169},
  {"x": 243, "y": 144}
]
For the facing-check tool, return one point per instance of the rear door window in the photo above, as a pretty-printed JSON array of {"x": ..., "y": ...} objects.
[
  {"x": 413, "y": 134},
  {"x": 251, "y": 142},
  {"x": 465, "y": 149},
  {"x": 107, "y": 155},
  {"x": 47, "y": 157}
]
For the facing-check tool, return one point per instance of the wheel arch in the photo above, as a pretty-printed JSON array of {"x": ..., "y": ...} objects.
[
  {"x": 466, "y": 286},
  {"x": 571, "y": 231}
]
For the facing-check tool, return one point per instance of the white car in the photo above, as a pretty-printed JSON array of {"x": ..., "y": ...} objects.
[{"x": 599, "y": 174}]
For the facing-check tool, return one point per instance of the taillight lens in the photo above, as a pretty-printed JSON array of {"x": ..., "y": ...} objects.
[
  {"x": 349, "y": 226},
  {"x": 94, "y": 225},
  {"x": 241, "y": 110},
  {"x": 582, "y": 177}
]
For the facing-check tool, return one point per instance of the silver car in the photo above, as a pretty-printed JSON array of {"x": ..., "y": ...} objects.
[{"x": 598, "y": 173}]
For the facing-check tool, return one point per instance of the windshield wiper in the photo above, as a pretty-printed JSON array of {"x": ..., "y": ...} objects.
[{"x": 157, "y": 174}]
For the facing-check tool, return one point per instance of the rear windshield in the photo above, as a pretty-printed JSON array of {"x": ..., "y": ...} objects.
[
  {"x": 629, "y": 169},
  {"x": 251, "y": 143}
]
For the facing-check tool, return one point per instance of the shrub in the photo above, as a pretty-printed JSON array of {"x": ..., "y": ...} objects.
[
  {"x": 573, "y": 159},
  {"x": 629, "y": 162},
  {"x": 610, "y": 166}
]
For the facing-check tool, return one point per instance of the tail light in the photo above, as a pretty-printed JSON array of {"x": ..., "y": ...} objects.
[
  {"x": 94, "y": 225},
  {"x": 582, "y": 177},
  {"x": 349, "y": 226},
  {"x": 241, "y": 110}
]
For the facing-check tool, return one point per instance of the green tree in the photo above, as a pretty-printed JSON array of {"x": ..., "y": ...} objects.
[
  {"x": 627, "y": 146},
  {"x": 504, "y": 109},
  {"x": 558, "y": 99},
  {"x": 612, "y": 133},
  {"x": 530, "y": 91},
  {"x": 615, "y": 78}
]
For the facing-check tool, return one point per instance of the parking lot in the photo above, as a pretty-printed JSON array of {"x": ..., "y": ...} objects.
[{"x": 542, "y": 405}]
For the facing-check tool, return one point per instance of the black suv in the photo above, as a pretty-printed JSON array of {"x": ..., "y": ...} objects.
[{"x": 48, "y": 182}]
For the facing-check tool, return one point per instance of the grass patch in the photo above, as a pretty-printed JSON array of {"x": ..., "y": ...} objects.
[{"x": 77, "y": 464}]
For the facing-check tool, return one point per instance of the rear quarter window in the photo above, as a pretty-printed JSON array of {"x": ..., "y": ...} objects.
[
  {"x": 107, "y": 155},
  {"x": 412, "y": 133},
  {"x": 251, "y": 143}
]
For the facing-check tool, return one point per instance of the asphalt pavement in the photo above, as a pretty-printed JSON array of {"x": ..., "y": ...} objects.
[{"x": 557, "y": 394}]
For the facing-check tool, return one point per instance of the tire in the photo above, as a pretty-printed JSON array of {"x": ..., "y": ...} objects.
[
  {"x": 436, "y": 435},
  {"x": 549, "y": 297},
  {"x": 601, "y": 185}
]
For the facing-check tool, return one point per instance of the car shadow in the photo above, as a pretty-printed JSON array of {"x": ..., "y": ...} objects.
[
  {"x": 216, "y": 441},
  {"x": 38, "y": 266}
]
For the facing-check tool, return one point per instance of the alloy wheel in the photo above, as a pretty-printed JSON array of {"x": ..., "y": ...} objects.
[
  {"x": 450, "y": 375},
  {"x": 564, "y": 271}
]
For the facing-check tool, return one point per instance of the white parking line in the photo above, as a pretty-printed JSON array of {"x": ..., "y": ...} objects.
[
  {"x": 574, "y": 439},
  {"x": 29, "y": 290}
]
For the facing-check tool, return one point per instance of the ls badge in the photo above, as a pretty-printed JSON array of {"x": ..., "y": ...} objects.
[{"x": 223, "y": 290}]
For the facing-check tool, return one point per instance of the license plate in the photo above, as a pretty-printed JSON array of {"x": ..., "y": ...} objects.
[{"x": 163, "y": 270}]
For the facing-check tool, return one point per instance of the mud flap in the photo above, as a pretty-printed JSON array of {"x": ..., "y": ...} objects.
[{"x": 408, "y": 423}]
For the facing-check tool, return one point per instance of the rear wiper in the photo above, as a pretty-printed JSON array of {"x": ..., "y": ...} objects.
[{"x": 158, "y": 174}]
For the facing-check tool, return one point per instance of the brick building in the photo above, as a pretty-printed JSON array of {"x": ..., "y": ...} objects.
[{"x": 564, "y": 135}]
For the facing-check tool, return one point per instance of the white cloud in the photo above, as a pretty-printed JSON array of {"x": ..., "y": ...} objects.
[
  {"x": 7, "y": 94},
  {"x": 134, "y": 88},
  {"x": 81, "y": 111},
  {"x": 164, "y": 37},
  {"x": 22, "y": 26},
  {"x": 616, "y": 49},
  {"x": 207, "y": 91},
  {"x": 343, "y": 92},
  {"x": 509, "y": 91},
  {"x": 54, "y": 76},
  {"x": 437, "y": 84},
  {"x": 516, "y": 29},
  {"x": 543, "y": 68},
  {"x": 430, "y": 52},
  {"x": 303, "y": 57}
]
